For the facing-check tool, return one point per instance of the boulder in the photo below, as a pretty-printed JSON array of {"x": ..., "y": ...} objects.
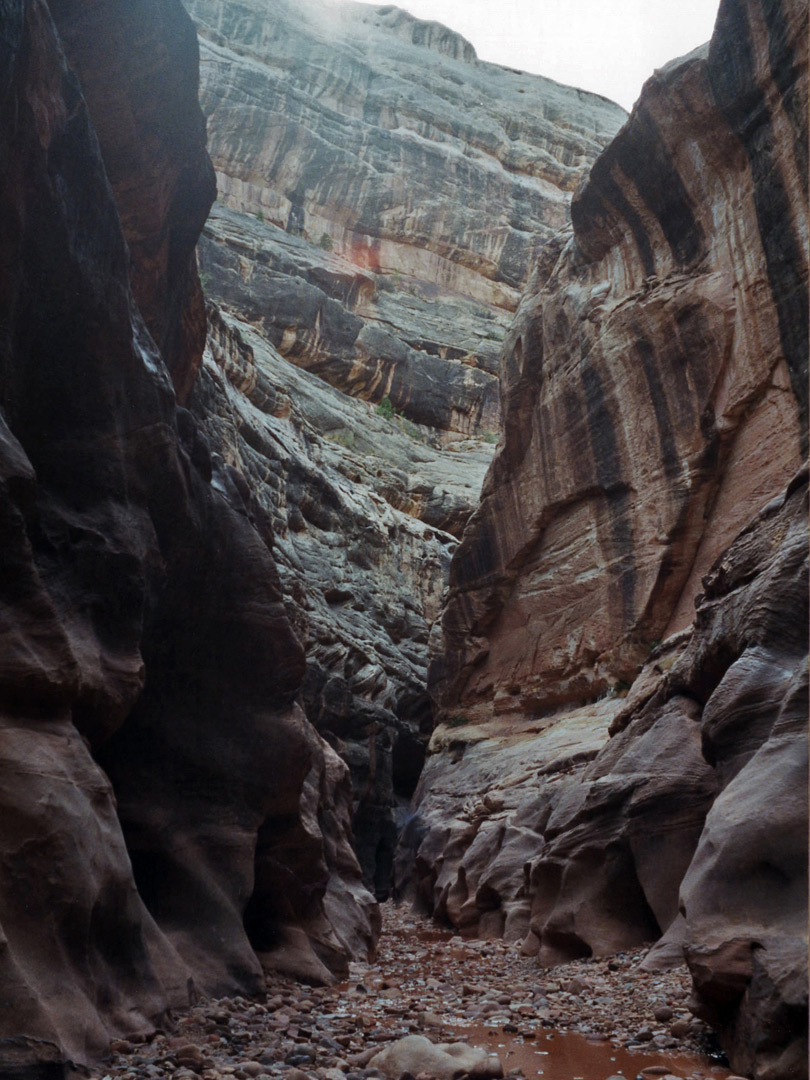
[{"x": 445, "y": 1061}]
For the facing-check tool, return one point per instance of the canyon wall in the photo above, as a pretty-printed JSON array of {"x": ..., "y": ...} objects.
[
  {"x": 383, "y": 195},
  {"x": 654, "y": 398},
  {"x": 435, "y": 178},
  {"x": 168, "y": 814}
]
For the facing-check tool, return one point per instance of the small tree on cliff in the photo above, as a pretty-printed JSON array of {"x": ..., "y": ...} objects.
[{"x": 386, "y": 408}]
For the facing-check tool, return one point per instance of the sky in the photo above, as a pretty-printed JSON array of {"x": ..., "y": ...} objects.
[{"x": 608, "y": 46}]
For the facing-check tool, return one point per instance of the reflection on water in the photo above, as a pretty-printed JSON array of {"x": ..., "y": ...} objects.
[{"x": 567, "y": 1056}]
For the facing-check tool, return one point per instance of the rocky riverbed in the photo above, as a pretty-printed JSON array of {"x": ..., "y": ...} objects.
[{"x": 586, "y": 1020}]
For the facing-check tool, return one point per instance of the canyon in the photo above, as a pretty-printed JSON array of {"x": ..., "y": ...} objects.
[
  {"x": 347, "y": 265},
  {"x": 402, "y": 488}
]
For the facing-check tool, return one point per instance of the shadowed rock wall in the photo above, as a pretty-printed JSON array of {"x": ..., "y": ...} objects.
[
  {"x": 143, "y": 628},
  {"x": 361, "y": 510},
  {"x": 654, "y": 400}
]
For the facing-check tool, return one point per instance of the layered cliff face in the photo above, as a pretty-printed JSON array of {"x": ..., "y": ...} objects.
[
  {"x": 143, "y": 625},
  {"x": 382, "y": 198},
  {"x": 654, "y": 400},
  {"x": 359, "y": 507},
  {"x": 435, "y": 177},
  {"x": 654, "y": 386}
]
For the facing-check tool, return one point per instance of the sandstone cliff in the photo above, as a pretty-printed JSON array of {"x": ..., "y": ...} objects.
[
  {"x": 143, "y": 624},
  {"x": 435, "y": 177},
  {"x": 359, "y": 507},
  {"x": 654, "y": 394},
  {"x": 382, "y": 197}
]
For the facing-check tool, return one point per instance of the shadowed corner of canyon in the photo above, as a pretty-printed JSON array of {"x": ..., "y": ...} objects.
[{"x": 401, "y": 489}]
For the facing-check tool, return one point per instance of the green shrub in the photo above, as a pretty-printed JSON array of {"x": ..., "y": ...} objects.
[
  {"x": 325, "y": 242},
  {"x": 459, "y": 720},
  {"x": 386, "y": 408},
  {"x": 411, "y": 430},
  {"x": 260, "y": 216}
]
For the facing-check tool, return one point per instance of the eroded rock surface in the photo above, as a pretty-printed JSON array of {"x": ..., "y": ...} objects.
[
  {"x": 362, "y": 513},
  {"x": 143, "y": 624},
  {"x": 433, "y": 178},
  {"x": 653, "y": 385},
  {"x": 382, "y": 198},
  {"x": 690, "y": 821},
  {"x": 654, "y": 401}
]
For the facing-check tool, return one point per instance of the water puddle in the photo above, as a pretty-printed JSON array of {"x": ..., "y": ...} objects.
[
  {"x": 430, "y": 959},
  {"x": 568, "y": 1056}
]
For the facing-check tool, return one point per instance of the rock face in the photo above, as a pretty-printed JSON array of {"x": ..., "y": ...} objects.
[
  {"x": 382, "y": 198},
  {"x": 690, "y": 821},
  {"x": 654, "y": 400},
  {"x": 168, "y": 812},
  {"x": 434, "y": 177},
  {"x": 359, "y": 508},
  {"x": 145, "y": 109},
  {"x": 653, "y": 387}
]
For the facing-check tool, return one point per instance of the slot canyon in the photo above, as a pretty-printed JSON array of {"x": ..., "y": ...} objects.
[{"x": 404, "y": 514}]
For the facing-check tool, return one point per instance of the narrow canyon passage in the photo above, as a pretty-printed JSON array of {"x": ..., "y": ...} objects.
[
  {"x": 401, "y": 472},
  {"x": 587, "y": 1020}
]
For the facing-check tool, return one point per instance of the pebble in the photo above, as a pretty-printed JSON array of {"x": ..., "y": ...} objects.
[{"x": 423, "y": 982}]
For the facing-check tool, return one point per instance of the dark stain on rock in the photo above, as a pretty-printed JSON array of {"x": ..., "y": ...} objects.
[
  {"x": 732, "y": 74},
  {"x": 639, "y": 153},
  {"x": 643, "y": 155},
  {"x": 478, "y": 559},
  {"x": 694, "y": 336},
  {"x": 607, "y": 461},
  {"x": 296, "y": 216},
  {"x": 660, "y": 404},
  {"x": 785, "y": 74},
  {"x": 585, "y": 211}
]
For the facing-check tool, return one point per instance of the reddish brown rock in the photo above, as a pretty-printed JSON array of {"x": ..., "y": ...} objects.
[
  {"x": 654, "y": 402},
  {"x": 745, "y": 894},
  {"x": 654, "y": 383},
  {"x": 142, "y": 625}
]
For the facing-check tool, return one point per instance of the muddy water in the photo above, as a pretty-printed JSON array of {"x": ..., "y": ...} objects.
[
  {"x": 561, "y": 1055},
  {"x": 567, "y": 1056}
]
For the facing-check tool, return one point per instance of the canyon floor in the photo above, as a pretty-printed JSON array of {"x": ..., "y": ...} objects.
[{"x": 593, "y": 1019}]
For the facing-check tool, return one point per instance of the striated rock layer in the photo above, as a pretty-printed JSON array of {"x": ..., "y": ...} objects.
[
  {"x": 436, "y": 179},
  {"x": 382, "y": 197},
  {"x": 168, "y": 814},
  {"x": 654, "y": 384},
  {"x": 654, "y": 391},
  {"x": 362, "y": 512},
  {"x": 690, "y": 821}
]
